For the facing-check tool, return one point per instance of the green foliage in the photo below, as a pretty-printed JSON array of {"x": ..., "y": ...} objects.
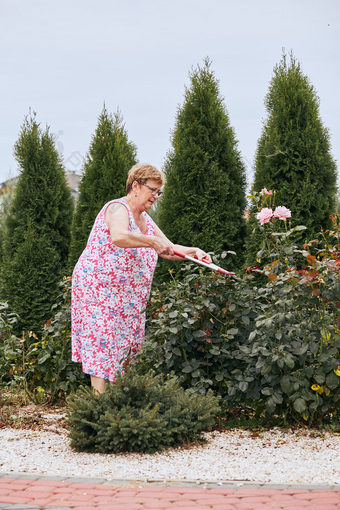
[
  {"x": 337, "y": 202},
  {"x": 4, "y": 207},
  {"x": 204, "y": 198},
  {"x": 1, "y": 242},
  {"x": 187, "y": 321},
  {"x": 259, "y": 344},
  {"x": 37, "y": 232},
  {"x": 139, "y": 413},
  {"x": 275, "y": 239},
  {"x": 8, "y": 322},
  {"x": 42, "y": 365},
  {"x": 110, "y": 157},
  {"x": 31, "y": 274},
  {"x": 293, "y": 154}
]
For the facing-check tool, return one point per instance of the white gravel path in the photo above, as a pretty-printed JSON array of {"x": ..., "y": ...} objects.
[{"x": 274, "y": 457}]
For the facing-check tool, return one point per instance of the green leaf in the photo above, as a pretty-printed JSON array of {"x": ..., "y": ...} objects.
[
  {"x": 187, "y": 369},
  {"x": 289, "y": 360},
  {"x": 196, "y": 373},
  {"x": 319, "y": 378},
  {"x": 332, "y": 381},
  {"x": 309, "y": 372},
  {"x": 266, "y": 369},
  {"x": 298, "y": 228},
  {"x": 232, "y": 331},
  {"x": 286, "y": 384},
  {"x": 300, "y": 405},
  {"x": 62, "y": 364},
  {"x": 252, "y": 335},
  {"x": 245, "y": 349},
  {"x": 288, "y": 250},
  {"x": 277, "y": 398},
  {"x": 231, "y": 391},
  {"x": 303, "y": 349},
  {"x": 43, "y": 358},
  {"x": 198, "y": 333},
  {"x": 270, "y": 406},
  {"x": 280, "y": 363},
  {"x": 243, "y": 385}
]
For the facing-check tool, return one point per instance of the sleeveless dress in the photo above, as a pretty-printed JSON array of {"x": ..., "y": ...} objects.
[{"x": 110, "y": 290}]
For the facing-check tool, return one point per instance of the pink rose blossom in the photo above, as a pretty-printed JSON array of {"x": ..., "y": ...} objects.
[
  {"x": 264, "y": 191},
  {"x": 282, "y": 213},
  {"x": 264, "y": 215}
]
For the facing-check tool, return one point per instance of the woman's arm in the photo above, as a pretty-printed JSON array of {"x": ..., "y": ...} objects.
[
  {"x": 187, "y": 250},
  {"x": 117, "y": 220}
]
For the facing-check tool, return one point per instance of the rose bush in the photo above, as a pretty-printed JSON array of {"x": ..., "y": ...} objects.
[{"x": 274, "y": 345}]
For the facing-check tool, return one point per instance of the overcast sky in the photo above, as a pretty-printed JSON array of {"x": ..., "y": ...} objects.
[{"x": 64, "y": 58}]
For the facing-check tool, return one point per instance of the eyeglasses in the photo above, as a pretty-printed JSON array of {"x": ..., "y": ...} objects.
[{"x": 154, "y": 191}]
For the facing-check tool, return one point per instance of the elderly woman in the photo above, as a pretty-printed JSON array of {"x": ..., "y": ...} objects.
[{"x": 112, "y": 279}]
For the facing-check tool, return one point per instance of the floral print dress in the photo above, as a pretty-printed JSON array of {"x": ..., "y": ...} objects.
[{"x": 110, "y": 290}]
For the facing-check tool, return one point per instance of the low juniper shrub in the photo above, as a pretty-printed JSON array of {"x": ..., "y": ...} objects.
[{"x": 139, "y": 413}]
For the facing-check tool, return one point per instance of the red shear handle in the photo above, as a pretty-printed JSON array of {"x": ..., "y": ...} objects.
[
  {"x": 179, "y": 254},
  {"x": 205, "y": 264}
]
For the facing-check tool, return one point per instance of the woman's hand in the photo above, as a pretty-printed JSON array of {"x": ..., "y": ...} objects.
[
  {"x": 163, "y": 246},
  {"x": 199, "y": 254}
]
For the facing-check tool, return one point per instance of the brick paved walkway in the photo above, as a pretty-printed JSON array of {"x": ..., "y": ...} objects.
[{"x": 19, "y": 492}]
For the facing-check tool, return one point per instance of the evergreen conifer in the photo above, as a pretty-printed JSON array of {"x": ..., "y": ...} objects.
[
  {"x": 140, "y": 413},
  {"x": 204, "y": 197},
  {"x": 37, "y": 233},
  {"x": 109, "y": 159},
  {"x": 293, "y": 153},
  {"x": 2, "y": 230},
  {"x": 4, "y": 209}
]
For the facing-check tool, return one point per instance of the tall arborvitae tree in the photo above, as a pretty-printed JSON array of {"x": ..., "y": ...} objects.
[
  {"x": 204, "y": 197},
  {"x": 110, "y": 157},
  {"x": 37, "y": 234},
  {"x": 4, "y": 209},
  {"x": 2, "y": 228},
  {"x": 2, "y": 238},
  {"x": 293, "y": 154}
]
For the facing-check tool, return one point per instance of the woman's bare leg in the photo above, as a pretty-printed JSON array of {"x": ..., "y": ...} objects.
[{"x": 98, "y": 384}]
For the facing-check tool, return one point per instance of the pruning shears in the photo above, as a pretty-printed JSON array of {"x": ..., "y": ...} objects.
[{"x": 211, "y": 266}]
